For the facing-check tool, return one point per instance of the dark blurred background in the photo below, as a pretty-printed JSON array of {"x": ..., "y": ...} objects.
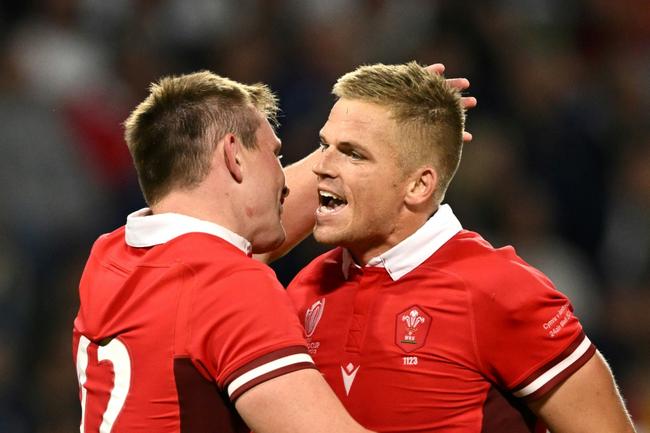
[{"x": 559, "y": 165}]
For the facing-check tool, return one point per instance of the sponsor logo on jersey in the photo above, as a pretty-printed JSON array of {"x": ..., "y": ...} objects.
[
  {"x": 349, "y": 372},
  {"x": 313, "y": 315},
  {"x": 411, "y": 328}
]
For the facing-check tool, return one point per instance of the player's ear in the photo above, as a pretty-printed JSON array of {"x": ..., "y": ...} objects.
[
  {"x": 422, "y": 186},
  {"x": 232, "y": 149}
]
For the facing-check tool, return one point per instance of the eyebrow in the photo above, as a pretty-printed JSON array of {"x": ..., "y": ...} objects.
[{"x": 347, "y": 144}]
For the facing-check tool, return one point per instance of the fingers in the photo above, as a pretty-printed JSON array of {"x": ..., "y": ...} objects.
[
  {"x": 436, "y": 68},
  {"x": 468, "y": 102},
  {"x": 462, "y": 84},
  {"x": 458, "y": 83}
]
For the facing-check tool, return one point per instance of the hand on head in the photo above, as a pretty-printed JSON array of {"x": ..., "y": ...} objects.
[{"x": 460, "y": 84}]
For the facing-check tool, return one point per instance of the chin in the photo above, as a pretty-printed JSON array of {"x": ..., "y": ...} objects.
[{"x": 328, "y": 237}]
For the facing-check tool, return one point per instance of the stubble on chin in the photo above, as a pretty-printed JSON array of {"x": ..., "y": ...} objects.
[{"x": 325, "y": 238}]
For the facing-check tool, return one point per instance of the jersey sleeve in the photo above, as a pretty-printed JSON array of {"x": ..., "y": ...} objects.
[
  {"x": 528, "y": 338},
  {"x": 245, "y": 331}
]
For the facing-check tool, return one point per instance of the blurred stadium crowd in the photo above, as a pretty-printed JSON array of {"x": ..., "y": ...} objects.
[{"x": 559, "y": 165}]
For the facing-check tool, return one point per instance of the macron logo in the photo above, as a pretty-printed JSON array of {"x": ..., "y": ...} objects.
[{"x": 348, "y": 373}]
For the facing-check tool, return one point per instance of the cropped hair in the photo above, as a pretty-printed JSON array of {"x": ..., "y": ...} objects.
[
  {"x": 173, "y": 133},
  {"x": 426, "y": 109}
]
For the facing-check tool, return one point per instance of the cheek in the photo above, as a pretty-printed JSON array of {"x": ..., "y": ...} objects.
[
  {"x": 377, "y": 204},
  {"x": 275, "y": 168}
]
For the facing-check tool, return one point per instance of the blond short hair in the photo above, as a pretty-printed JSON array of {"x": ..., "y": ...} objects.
[
  {"x": 172, "y": 134},
  {"x": 427, "y": 110}
]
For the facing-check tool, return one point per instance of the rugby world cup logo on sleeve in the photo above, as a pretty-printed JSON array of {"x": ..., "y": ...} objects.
[
  {"x": 312, "y": 316},
  {"x": 411, "y": 328}
]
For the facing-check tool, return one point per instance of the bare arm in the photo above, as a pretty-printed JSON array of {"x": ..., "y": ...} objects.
[
  {"x": 296, "y": 402},
  {"x": 587, "y": 402},
  {"x": 299, "y": 214}
]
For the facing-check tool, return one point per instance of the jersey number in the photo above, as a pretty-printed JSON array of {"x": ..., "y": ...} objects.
[
  {"x": 115, "y": 352},
  {"x": 410, "y": 360}
]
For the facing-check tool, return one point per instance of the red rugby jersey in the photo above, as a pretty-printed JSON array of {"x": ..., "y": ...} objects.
[
  {"x": 176, "y": 322},
  {"x": 442, "y": 333}
]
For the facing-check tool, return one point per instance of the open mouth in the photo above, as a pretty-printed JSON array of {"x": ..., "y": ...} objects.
[
  {"x": 330, "y": 202},
  {"x": 284, "y": 194}
]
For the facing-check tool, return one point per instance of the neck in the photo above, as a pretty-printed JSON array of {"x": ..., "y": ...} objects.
[
  {"x": 364, "y": 252},
  {"x": 196, "y": 204}
]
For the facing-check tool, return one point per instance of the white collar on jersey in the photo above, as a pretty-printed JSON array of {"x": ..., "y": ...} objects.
[
  {"x": 415, "y": 249},
  {"x": 143, "y": 229}
]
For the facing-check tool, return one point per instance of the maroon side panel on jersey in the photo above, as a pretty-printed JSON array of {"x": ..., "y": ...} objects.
[
  {"x": 504, "y": 413},
  {"x": 203, "y": 408}
]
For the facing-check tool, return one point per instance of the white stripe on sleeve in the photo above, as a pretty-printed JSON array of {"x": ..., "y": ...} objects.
[
  {"x": 555, "y": 370},
  {"x": 266, "y": 368}
]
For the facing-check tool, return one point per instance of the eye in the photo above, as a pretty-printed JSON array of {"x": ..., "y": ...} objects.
[
  {"x": 355, "y": 155},
  {"x": 322, "y": 146},
  {"x": 279, "y": 156}
]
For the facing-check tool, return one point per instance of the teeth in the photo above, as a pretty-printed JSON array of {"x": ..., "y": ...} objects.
[
  {"x": 326, "y": 194},
  {"x": 330, "y": 201},
  {"x": 325, "y": 209}
]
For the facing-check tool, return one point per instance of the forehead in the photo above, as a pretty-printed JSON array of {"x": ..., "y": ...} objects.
[
  {"x": 358, "y": 121},
  {"x": 265, "y": 133}
]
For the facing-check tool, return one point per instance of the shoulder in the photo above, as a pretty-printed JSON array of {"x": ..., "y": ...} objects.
[
  {"x": 109, "y": 240},
  {"x": 108, "y": 248},
  {"x": 497, "y": 274},
  {"x": 210, "y": 256},
  {"x": 212, "y": 262}
]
